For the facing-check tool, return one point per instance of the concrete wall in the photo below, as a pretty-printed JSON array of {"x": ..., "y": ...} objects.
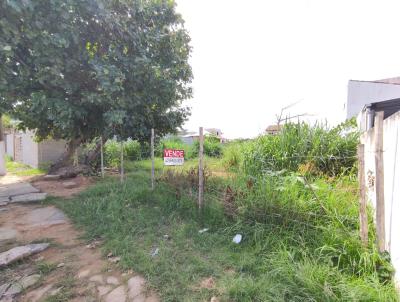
[
  {"x": 2, "y": 159},
  {"x": 29, "y": 149},
  {"x": 391, "y": 161},
  {"x": 10, "y": 145},
  {"x": 50, "y": 151},
  {"x": 362, "y": 93}
]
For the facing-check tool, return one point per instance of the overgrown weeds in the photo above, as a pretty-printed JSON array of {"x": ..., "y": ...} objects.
[
  {"x": 313, "y": 150},
  {"x": 300, "y": 240}
]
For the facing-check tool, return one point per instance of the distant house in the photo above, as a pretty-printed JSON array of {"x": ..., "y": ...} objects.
[
  {"x": 22, "y": 147},
  {"x": 189, "y": 137},
  {"x": 273, "y": 129},
  {"x": 362, "y": 93}
]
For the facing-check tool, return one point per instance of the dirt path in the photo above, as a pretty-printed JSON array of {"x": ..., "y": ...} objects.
[{"x": 69, "y": 270}]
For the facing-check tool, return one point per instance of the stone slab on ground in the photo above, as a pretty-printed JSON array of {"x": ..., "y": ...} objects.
[
  {"x": 136, "y": 286},
  {"x": 17, "y": 189},
  {"x": 39, "y": 293},
  {"x": 20, "y": 252},
  {"x": 103, "y": 289},
  {"x": 7, "y": 235},
  {"x": 3, "y": 288},
  {"x": 117, "y": 295},
  {"x": 43, "y": 217},
  {"x": 112, "y": 280},
  {"x": 21, "y": 284},
  {"x": 51, "y": 177},
  {"x": 5, "y": 199},
  {"x": 31, "y": 197}
]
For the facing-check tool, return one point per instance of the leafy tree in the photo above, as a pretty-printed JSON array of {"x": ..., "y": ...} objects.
[{"x": 78, "y": 69}]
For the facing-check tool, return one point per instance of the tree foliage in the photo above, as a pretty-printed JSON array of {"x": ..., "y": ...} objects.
[{"x": 77, "y": 69}]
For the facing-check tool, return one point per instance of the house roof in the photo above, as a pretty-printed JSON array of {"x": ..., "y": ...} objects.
[
  {"x": 391, "y": 81},
  {"x": 389, "y": 107},
  {"x": 206, "y": 131},
  {"x": 273, "y": 128},
  {"x": 395, "y": 81}
]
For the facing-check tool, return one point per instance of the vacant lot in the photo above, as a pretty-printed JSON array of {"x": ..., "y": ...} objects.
[{"x": 300, "y": 241}]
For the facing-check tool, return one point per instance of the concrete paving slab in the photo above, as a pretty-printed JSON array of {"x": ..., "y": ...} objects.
[
  {"x": 31, "y": 197},
  {"x": 23, "y": 283},
  {"x": 17, "y": 189},
  {"x": 7, "y": 235},
  {"x": 20, "y": 252},
  {"x": 4, "y": 199},
  {"x": 43, "y": 217}
]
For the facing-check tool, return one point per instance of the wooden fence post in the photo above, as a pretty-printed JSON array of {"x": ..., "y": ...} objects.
[
  {"x": 379, "y": 182},
  {"x": 363, "y": 201},
  {"x": 152, "y": 159},
  {"x": 201, "y": 168},
  {"x": 122, "y": 161},
  {"x": 102, "y": 157}
]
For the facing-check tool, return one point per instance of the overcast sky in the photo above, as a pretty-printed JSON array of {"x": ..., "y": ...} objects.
[{"x": 251, "y": 58}]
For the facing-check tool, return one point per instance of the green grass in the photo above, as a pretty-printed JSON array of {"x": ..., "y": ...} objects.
[
  {"x": 19, "y": 169},
  {"x": 298, "y": 244},
  {"x": 211, "y": 163}
]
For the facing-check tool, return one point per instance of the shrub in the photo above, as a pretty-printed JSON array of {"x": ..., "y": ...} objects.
[
  {"x": 212, "y": 147},
  {"x": 174, "y": 142},
  {"x": 112, "y": 152}
]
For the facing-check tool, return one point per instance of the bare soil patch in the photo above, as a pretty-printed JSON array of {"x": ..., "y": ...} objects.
[
  {"x": 70, "y": 269},
  {"x": 56, "y": 187}
]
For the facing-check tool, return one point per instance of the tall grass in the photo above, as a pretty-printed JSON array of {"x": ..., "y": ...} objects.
[
  {"x": 175, "y": 143},
  {"x": 313, "y": 150},
  {"x": 299, "y": 226},
  {"x": 300, "y": 240},
  {"x": 112, "y": 151}
]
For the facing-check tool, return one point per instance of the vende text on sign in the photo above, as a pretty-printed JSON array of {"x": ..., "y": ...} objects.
[{"x": 174, "y": 157}]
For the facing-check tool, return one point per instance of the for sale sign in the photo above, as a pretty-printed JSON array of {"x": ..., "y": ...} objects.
[{"x": 174, "y": 157}]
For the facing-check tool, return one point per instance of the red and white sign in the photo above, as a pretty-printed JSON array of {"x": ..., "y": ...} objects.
[{"x": 174, "y": 157}]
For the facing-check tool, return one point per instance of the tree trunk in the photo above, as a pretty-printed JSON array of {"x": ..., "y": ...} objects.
[
  {"x": 66, "y": 159},
  {"x": 93, "y": 154}
]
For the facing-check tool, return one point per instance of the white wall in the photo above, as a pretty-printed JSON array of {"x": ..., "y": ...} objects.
[
  {"x": 391, "y": 162},
  {"x": 2, "y": 159},
  {"x": 362, "y": 93},
  {"x": 10, "y": 145},
  {"x": 29, "y": 149}
]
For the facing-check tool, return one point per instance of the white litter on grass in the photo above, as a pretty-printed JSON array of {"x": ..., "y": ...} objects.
[
  {"x": 203, "y": 231},
  {"x": 237, "y": 238},
  {"x": 154, "y": 252}
]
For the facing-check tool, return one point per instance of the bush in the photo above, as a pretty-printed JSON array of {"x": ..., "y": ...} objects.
[
  {"x": 112, "y": 152},
  {"x": 212, "y": 147},
  {"x": 315, "y": 150},
  {"x": 174, "y": 143}
]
